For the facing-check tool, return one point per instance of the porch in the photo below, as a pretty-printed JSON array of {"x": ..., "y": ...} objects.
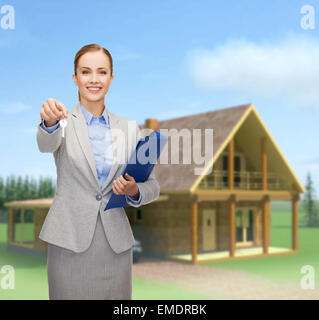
[
  {"x": 240, "y": 227},
  {"x": 223, "y": 255}
]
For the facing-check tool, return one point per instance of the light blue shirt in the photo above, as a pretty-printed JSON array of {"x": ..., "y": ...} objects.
[{"x": 101, "y": 142}]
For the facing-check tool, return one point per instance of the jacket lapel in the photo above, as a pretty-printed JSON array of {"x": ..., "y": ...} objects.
[{"x": 82, "y": 133}]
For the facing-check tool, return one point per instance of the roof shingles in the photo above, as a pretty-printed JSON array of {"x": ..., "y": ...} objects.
[{"x": 181, "y": 176}]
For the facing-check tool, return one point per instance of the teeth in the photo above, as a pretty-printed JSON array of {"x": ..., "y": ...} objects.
[{"x": 94, "y": 89}]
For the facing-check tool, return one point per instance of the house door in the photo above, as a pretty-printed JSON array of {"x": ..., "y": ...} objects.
[
  {"x": 244, "y": 227},
  {"x": 209, "y": 229}
]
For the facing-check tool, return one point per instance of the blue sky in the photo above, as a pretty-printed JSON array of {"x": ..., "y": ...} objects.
[{"x": 171, "y": 58}]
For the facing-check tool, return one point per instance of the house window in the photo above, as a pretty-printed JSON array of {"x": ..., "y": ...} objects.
[
  {"x": 139, "y": 214},
  {"x": 249, "y": 225},
  {"x": 239, "y": 227},
  {"x": 244, "y": 226}
]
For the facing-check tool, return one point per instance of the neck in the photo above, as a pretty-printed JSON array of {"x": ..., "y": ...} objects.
[{"x": 94, "y": 107}]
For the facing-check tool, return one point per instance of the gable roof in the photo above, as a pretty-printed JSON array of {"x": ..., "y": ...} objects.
[{"x": 225, "y": 123}]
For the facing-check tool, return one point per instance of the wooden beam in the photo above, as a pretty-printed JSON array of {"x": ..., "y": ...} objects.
[
  {"x": 10, "y": 224},
  {"x": 194, "y": 229},
  {"x": 243, "y": 195},
  {"x": 21, "y": 225},
  {"x": 265, "y": 205},
  {"x": 231, "y": 164},
  {"x": 264, "y": 163},
  {"x": 232, "y": 203},
  {"x": 295, "y": 223}
]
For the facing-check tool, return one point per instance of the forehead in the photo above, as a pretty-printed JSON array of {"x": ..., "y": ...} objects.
[{"x": 96, "y": 59}]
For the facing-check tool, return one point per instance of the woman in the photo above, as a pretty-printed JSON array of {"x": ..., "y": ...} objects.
[{"x": 89, "y": 249}]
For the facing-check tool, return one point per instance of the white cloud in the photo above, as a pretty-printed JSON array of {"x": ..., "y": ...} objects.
[
  {"x": 288, "y": 69},
  {"x": 14, "y": 108}
]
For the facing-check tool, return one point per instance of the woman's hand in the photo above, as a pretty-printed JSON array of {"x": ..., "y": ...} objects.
[
  {"x": 129, "y": 187},
  {"x": 51, "y": 111}
]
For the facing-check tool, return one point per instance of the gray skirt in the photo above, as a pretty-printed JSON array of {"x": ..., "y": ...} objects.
[{"x": 95, "y": 274}]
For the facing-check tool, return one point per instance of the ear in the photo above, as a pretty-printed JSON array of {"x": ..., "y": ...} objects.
[{"x": 75, "y": 79}]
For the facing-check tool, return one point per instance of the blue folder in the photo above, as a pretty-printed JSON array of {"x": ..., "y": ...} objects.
[{"x": 140, "y": 164}]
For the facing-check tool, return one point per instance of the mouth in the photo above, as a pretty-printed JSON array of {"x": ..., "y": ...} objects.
[{"x": 94, "y": 89}]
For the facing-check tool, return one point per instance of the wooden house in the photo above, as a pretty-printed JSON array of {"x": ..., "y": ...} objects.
[
  {"x": 218, "y": 216},
  {"x": 25, "y": 220},
  {"x": 224, "y": 214}
]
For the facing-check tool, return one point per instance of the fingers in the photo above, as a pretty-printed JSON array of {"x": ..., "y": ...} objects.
[
  {"x": 48, "y": 109},
  {"x": 127, "y": 176},
  {"x": 122, "y": 180},
  {"x": 120, "y": 184},
  {"x": 60, "y": 106},
  {"x": 52, "y": 110},
  {"x": 116, "y": 189}
]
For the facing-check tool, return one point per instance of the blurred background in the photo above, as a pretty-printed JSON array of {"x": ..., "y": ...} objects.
[{"x": 171, "y": 59}]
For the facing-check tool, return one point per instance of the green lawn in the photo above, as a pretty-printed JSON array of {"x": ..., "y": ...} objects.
[{"x": 31, "y": 277}]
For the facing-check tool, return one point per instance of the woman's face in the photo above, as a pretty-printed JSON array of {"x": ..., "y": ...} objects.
[{"x": 93, "y": 76}]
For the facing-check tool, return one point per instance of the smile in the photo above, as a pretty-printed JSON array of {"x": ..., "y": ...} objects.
[{"x": 94, "y": 89}]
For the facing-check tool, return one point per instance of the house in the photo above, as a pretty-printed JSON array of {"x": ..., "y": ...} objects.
[
  {"x": 222, "y": 215},
  {"x": 225, "y": 214},
  {"x": 25, "y": 220}
]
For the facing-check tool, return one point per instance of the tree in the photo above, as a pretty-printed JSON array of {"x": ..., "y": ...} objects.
[
  {"x": 10, "y": 190},
  {"x": 46, "y": 188},
  {"x": 19, "y": 188},
  {"x": 310, "y": 207},
  {"x": 33, "y": 189},
  {"x": 26, "y": 188},
  {"x": 2, "y": 200},
  {"x": 23, "y": 189},
  {"x": 2, "y": 192}
]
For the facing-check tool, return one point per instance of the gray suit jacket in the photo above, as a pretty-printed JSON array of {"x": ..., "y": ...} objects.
[{"x": 71, "y": 220}]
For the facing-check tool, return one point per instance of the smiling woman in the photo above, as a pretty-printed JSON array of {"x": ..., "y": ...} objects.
[
  {"x": 93, "y": 73},
  {"x": 89, "y": 249}
]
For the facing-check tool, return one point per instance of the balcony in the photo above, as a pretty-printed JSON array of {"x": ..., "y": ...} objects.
[{"x": 243, "y": 180}]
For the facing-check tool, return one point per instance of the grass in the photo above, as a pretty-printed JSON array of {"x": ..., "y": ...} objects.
[
  {"x": 31, "y": 276},
  {"x": 31, "y": 279}
]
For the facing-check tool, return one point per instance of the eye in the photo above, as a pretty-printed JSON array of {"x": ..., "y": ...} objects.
[
  {"x": 83, "y": 72},
  {"x": 103, "y": 72}
]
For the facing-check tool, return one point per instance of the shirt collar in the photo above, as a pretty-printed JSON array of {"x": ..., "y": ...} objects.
[{"x": 88, "y": 115}]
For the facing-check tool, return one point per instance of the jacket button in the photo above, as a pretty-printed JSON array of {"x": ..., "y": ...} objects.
[{"x": 98, "y": 197}]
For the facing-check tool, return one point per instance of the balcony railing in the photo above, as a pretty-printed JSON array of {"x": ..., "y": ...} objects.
[{"x": 243, "y": 180}]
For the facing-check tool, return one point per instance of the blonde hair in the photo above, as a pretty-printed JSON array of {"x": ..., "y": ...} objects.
[{"x": 90, "y": 48}]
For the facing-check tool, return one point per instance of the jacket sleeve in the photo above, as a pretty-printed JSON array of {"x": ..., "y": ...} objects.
[
  {"x": 138, "y": 200},
  {"x": 50, "y": 129},
  {"x": 48, "y": 142},
  {"x": 149, "y": 189}
]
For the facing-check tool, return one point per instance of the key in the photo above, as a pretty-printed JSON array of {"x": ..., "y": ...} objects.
[{"x": 63, "y": 124}]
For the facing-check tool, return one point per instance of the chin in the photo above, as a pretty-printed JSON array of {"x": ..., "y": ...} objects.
[{"x": 94, "y": 98}]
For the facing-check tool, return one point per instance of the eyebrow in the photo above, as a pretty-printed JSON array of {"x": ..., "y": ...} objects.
[{"x": 90, "y": 68}]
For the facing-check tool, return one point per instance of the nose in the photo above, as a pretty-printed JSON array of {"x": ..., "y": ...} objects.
[{"x": 93, "y": 79}]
